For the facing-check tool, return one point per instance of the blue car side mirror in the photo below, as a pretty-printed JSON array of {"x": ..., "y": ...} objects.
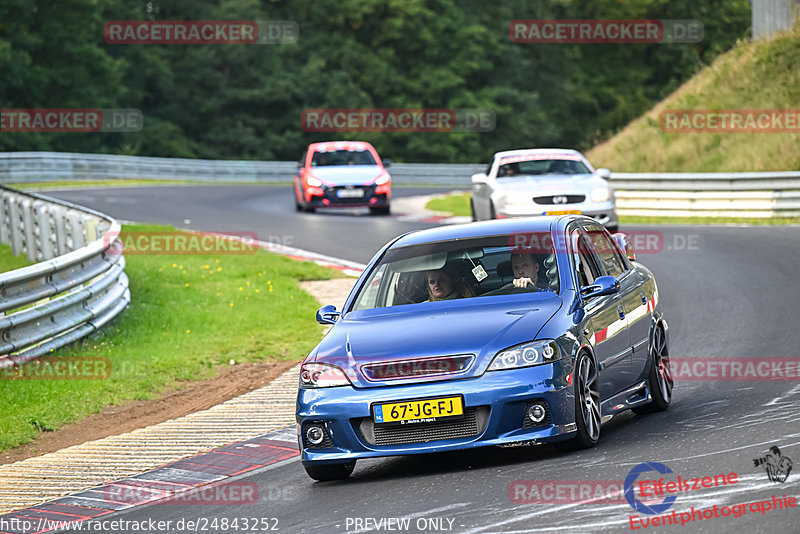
[
  {"x": 327, "y": 314},
  {"x": 604, "y": 285}
]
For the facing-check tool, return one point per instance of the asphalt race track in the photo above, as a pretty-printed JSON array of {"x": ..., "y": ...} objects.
[
  {"x": 726, "y": 292},
  {"x": 267, "y": 211}
]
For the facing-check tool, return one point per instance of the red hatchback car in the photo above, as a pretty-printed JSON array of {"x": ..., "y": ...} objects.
[{"x": 338, "y": 174}]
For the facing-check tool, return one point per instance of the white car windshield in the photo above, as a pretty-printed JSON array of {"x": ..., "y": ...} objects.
[{"x": 541, "y": 167}]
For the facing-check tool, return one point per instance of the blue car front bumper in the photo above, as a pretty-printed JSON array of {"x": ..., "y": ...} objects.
[{"x": 499, "y": 399}]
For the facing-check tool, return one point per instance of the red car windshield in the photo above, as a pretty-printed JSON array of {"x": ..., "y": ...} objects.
[{"x": 342, "y": 157}]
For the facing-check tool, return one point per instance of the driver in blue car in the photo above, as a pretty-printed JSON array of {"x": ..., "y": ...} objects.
[{"x": 525, "y": 269}]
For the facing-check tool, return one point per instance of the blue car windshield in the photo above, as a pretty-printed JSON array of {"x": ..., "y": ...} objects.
[{"x": 468, "y": 268}]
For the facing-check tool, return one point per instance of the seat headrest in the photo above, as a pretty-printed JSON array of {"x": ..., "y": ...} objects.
[{"x": 504, "y": 269}]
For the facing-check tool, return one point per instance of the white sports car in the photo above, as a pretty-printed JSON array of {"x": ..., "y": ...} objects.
[{"x": 543, "y": 181}]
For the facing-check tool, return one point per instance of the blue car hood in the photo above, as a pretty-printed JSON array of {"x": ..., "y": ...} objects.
[{"x": 477, "y": 326}]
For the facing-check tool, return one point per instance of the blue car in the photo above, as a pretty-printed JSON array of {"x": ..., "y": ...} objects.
[{"x": 507, "y": 332}]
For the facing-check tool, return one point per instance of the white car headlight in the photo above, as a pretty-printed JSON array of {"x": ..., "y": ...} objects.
[
  {"x": 600, "y": 194},
  {"x": 516, "y": 198},
  {"x": 382, "y": 179},
  {"x": 525, "y": 355},
  {"x": 322, "y": 375},
  {"x": 313, "y": 182}
]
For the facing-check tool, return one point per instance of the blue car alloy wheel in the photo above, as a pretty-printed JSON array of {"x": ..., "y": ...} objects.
[{"x": 508, "y": 332}]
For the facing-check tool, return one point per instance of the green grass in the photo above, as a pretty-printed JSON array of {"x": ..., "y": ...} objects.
[
  {"x": 760, "y": 75},
  {"x": 189, "y": 314},
  {"x": 9, "y": 262},
  {"x": 458, "y": 204}
]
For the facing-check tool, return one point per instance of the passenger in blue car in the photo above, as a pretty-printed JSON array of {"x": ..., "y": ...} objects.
[
  {"x": 525, "y": 269},
  {"x": 442, "y": 285}
]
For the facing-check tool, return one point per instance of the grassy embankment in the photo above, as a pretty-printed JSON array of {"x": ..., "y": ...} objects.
[
  {"x": 753, "y": 75},
  {"x": 189, "y": 315}
]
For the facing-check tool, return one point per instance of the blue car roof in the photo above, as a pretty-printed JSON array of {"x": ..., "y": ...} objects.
[{"x": 479, "y": 229}]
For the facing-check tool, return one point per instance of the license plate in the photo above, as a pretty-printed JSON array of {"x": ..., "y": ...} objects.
[
  {"x": 565, "y": 212},
  {"x": 350, "y": 193},
  {"x": 418, "y": 411}
]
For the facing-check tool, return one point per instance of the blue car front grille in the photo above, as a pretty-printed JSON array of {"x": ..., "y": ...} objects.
[
  {"x": 471, "y": 424},
  {"x": 443, "y": 365}
]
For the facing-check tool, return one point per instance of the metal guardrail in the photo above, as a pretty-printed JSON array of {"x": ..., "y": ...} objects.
[
  {"x": 749, "y": 194},
  {"x": 744, "y": 194},
  {"x": 43, "y": 166},
  {"x": 22, "y": 167},
  {"x": 77, "y": 286}
]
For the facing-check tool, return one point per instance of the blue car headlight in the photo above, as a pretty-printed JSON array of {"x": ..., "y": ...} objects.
[
  {"x": 525, "y": 355},
  {"x": 322, "y": 375}
]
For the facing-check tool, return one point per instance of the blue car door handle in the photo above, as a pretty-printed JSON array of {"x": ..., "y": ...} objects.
[
  {"x": 621, "y": 312},
  {"x": 644, "y": 298}
]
